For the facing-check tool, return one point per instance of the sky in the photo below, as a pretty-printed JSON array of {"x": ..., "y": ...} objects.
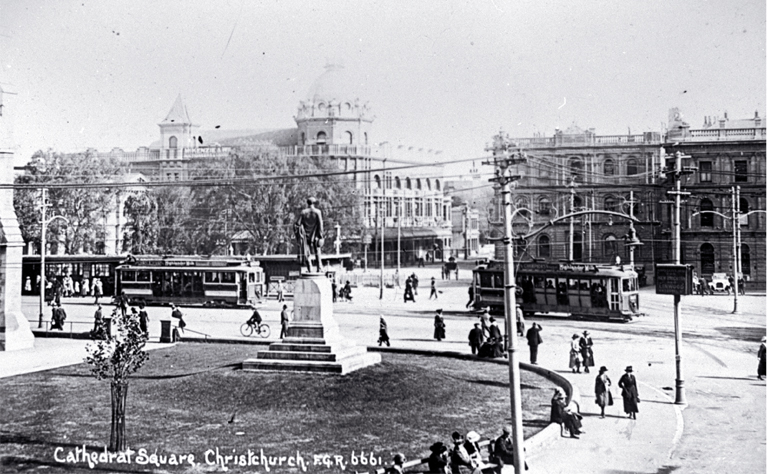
[{"x": 444, "y": 75}]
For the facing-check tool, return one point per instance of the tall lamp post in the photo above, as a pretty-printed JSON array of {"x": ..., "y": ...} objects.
[
  {"x": 43, "y": 225},
  {"x": 503, "y": 158}
]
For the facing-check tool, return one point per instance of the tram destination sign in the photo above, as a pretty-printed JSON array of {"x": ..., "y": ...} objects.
[{"x": 672, "y": 279}]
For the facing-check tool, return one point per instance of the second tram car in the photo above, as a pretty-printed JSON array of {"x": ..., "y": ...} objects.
[
  {"x": 585, "y": 291},
  {"x": 191, "y": 280},
  {"x": 81, "y": 271}
]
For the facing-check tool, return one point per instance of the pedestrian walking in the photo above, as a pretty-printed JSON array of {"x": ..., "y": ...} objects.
[
  {"x": 280, "y": 290},
  {"x": 28, "y": 285},
  {"x": 84, "y": 288},
  {"x": 520, "y": 320},
  {"x": 143, "y": 320},
  {"x": 534, "y": 339},
  {"x": 433, "y": 289},
  {"x": 439, "y": 325},
  {"x": 98, "y": 290},
  {"x": 574, "y": 361},
  {"x": 383, "y": 334},
  {"x": 742, "y": 288},
  {"x": 408, "y": 292},
  {"x": 476, "y": 338},
  {"x": 284, "y": 320},
  {"x": 485, "y": 323},
  {"x": 415, "y": 281},
  {"x": 177, "y": 314},
  {"x": 471, "y": 292},
  {"x": 334, "y": 290},
  {"x": 58, "y": 316},
  {"x": 703, "y": 286},
  {"x": 603, "y": 395},
  {"x": 761, "y": 360},
  {"x": 585, "y": 348},
  {"x": 629, "y": 393},
  {"x": 122, "y": 303}
]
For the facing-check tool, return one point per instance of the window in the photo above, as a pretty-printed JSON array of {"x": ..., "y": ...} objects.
[
  {"x": 303, "y": 138},
  {"x": 348, "y": 136},
  {"x": 544, "y": 249},
  {"x": 378, "y": 181},
  {"x": 707, "y": 218},
  {"x": 705, "y": 171},
  {"x": 437, "y": 184},
  {"x": 544, "y": 206},
  {"x": 707, "y": 253},
  {"x": 418, "y": 183},
  {"x": 397, "y": 182},
  {"x": 740, "y": 171},
  {"x": 745, "y": 260},
  {"x": 610, "y": 247},
  {"x": 321, "y": 138},
  {"x": 429, "y": 184},
  {"x": 608, "y": 168},
  {"x": 609, "y": 204},
  {"x": 407, "y": 183},
  {"x": 365, "y": 137},
  {"x": 577, "y": 169},
  {"x": 173, "y": 142},
  {"x": 743, "y": 209},
  {"x": 577, "y": 203},
  {"x": 631, "y": 167}
]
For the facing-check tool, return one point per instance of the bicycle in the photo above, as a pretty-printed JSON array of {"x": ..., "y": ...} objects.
[{"x": 249, "y": 328}]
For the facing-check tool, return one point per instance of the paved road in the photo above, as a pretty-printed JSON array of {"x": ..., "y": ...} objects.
[{"x": 721, "y": 430}]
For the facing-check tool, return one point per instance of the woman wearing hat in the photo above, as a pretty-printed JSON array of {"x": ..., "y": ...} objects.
[
  {"x": 761, "y": 359},
  {"x": 473, "y": 450},
  {"x": 603, "y": 395},
  {"x": 460, "y": 461},
  {"x": 585, "y": 347},
  {"x": 574, "y": 363},
  {"x": 439, "y": 325},
  {"x": 438, "y": 460},
  {"x": 629, "y": 393}
]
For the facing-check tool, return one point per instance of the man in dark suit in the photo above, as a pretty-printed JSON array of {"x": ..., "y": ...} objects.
[
  {"x": 475, "y": 338},
  {"x": 534, "y": 339}
]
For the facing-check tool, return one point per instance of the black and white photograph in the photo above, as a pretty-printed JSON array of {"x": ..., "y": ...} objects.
[{"x": 383, "y": 237}]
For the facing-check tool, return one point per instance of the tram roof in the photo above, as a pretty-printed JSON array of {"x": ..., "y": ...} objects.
[
  {"x": 181, "y": 268},
  {"x": 562, "y": 268}
]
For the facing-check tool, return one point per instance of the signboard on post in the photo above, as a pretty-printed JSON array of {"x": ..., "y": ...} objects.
[{"x": 672, "y": 279}]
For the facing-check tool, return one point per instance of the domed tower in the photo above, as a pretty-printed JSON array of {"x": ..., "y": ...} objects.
[{"x": 333, "y": 114}]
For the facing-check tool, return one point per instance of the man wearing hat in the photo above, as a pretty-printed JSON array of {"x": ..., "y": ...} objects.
[
  {"x": 534, "y": 339},
  {"x": 397, "y": 467},
  {"x": 603, "y": 395},
  {"x": 485, "y": 322},
  {"x": 475, "y": 338},
  {"x": 629, "y": 393},
  {"x": 438, "y": 460},
  {"x": 503, "y": 450},
  {"x": 761, "y": 360},
  {"x": 585, "y": 347},
  {"x": 460, "y": 461},
  {"x": 439, "y": 325}
]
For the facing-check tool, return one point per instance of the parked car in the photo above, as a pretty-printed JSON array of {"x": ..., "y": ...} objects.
[{"x": 719, "y": 282}]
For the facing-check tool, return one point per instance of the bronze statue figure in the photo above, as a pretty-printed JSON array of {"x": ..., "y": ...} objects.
[{"x": 309, "y": 233}]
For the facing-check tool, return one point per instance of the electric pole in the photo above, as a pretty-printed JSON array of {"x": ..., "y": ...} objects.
[
  {"x": 736, "y": 224},
  {"x": 505, "y": 156},
  {"x": 572, "y": 185}
]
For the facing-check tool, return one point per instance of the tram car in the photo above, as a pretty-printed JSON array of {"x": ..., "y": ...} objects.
[
  {"x": 80, "y": 270},
  {"x": 191, "y": 280},
  {"x": 576, "y": 290}
]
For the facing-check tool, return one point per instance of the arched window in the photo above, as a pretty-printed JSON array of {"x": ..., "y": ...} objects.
[
  {"x": 707, "y": 252},
  {"x": 397, "y": 182},
  {"x": 321, "y": 107},
  {"x": 320, "y": 138},
  {"x": 303, "y": 138},
  {"x": 745, "y": 260},
  {"x": 408, "y": 183},
  {"x": 544, "y": 250},
  {"x": 577, "y": 169},
  {"x": 743, "y": 209},
  {"x": 608, "y": 167},
  {"x": 545, "y": 206},
  {"x": 173, "y": 142},
  {"x": 631, "y": 167},
  {"x": 707, "y": 218},
  {"x": 378, "y": 181},
  {"x": 610, "y": 247},
  {"x": 577, "y": 203},
  {"x": 437, "y": 184},
  {"x": 348, "y": 136},
  {"x": 428, "y": 183},
  {"x": 365, "y": 137},
  {"x": 418, "y": 183},
  {"x": 609, "y": 204},
  {"x": 522, "y": 204}
]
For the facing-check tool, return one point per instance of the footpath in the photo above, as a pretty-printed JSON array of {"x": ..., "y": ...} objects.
[{"x": 612, "y": 445}]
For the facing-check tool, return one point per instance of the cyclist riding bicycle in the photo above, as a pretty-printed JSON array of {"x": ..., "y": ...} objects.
[{"x": 255, "y": 320}]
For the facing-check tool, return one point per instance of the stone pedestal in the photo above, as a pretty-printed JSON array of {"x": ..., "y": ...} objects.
[
  {"x": 15, "y": 333},
  {"x": 313, "y": 342}
]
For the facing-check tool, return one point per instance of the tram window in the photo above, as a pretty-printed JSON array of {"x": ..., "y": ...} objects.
[
  {"x": 573, "y": 284},
  {"x": 211, "y": 277},
  {"x": 551, "y": 283},
  {"x": 584, "y": 285},
  {"x": 227, "y": 277},
  {"x": 101, "y": 269},
  {"x": 252, "y": 278},
  {"x": 142, "y": 275},
  {"x": 129, "y": 275},
  {"x": 486, "y": 280},
  {"x": 498, "y": 280},
  {"x": 538, "y": 282},
  {"x": 614, "y": 285},
  {"x": 627, "y": 284}
]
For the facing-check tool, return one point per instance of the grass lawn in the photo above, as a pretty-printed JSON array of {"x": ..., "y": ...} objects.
[{"x": 190, "y": 399}]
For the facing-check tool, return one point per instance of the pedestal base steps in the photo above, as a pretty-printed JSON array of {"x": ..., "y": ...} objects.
[{"x": 313, "y": 342}]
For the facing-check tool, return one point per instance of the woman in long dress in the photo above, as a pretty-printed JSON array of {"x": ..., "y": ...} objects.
[
  {"x": 587, "y": 357},
  {"x": 439, "y": 325},
  {"x": 628, "y": 385},
  {"x": 574, "y": 362},
  {"x": 603, "y": 395},
  {"x": 761, "y": 360}
]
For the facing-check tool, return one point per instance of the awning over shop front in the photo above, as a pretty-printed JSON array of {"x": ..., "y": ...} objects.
[{"x": 412, "y": 233}]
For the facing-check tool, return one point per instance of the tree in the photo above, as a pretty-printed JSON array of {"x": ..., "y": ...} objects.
[
  {"x": 140, "y": 211},
  {"x": 115, "y": 359},
  {"x": 267, "y": 209},
  {"x": 84, "y": 207}
]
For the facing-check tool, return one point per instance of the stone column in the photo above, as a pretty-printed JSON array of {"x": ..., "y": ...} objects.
[{"x": 14, "y": 328}]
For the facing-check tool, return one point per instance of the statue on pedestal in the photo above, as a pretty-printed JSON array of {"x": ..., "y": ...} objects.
[{"x": 309, "y": 233}]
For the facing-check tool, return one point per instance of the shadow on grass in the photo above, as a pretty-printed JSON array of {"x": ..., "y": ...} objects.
[
  {"x": 495, "y": 383},
  {"x": 233, "y": 366}
]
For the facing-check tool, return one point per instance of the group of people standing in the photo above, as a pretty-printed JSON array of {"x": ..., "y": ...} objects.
[
  {"x": 581, "y": 353},
  {"x": 485, "y": 337},
  {"x": 411, "y": 288}
]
